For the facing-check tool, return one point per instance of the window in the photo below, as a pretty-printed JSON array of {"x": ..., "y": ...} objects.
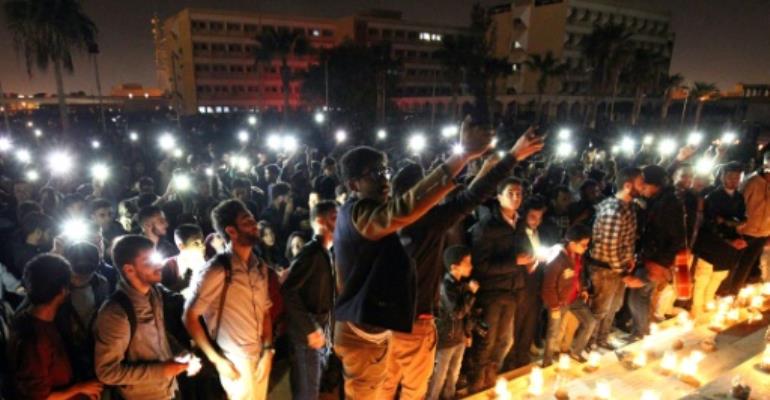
[
  {"x": 201, "y": 68},
  {"x": 387, "y": 33},
  {"x": 220, "y": 47},
  {"x": 233, "y": 27},
  {"x": 374, "y": 32},
  {"x": 198, "y": 25},
  {"x": 399, "y": 53},
  {"x": 253, "y": 89},
  {"x": 235, "y": 48},
  {"x": 327, "y": 33},
  {"x": 411, "y": 54},
  {"x": 412, "y": 35},
  {"x": 400, "y": 34},
  {"x": 236, "y": 68},
  {"x": 219, "y": 68},
  {"x": 430, "y": 37},
  {"x": 216, "y": 26},
  {"x": 423, "y": 54},
  {"x": 249, "y": 28},
  {"x": 239, "y": 89}
]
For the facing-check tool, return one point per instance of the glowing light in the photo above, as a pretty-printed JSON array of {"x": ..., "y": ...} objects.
[
  {"x": 493, "y": 142},
  {"x": 695, "y": 139},
  {"x": 38, "y": 133},
  {"x": 178, "y": 153},
  {"x": 252, "y": 120},
  {"x": 667, "y": 147},
  {"x": 603, "y": 390},
  {"x": 547, "y": 254},
  {"x": 319, "y": 117},
  {"x": 289, "y": 144},
  {"x": 240, "y": 162},
  {"x": 564, "y": 134},
  {"x": 5, "y": 144},
  {"x": 274, "y": 142},
  {"x": 627, "y": 145},
  {"x": 23, "y": 156},
  {"x": 340, "y": 136},
  {"x": 648, "y": 140},
  {"x": 182, "y": 183},
  {"x": 704, "y": 165},
  {"x": 156, "y": 258},
  {"x": 95, "y": 144},
  {"x": 382, "y": 134},
  {"x": 30, "y": 124},
  {"x": 501, "y": 390},
  {"x": 640, "y": 360},
  {"x": 133, "y": 136},
  {"x": 75, "y": 229},
  {"x": 457, "y": 149},
  {"x": 166, "y": 142},
  {"x": 243, "y": 136},
  {"x": 564, "y": 362},
  {"x": 711, "y": 306},
  {"x": 766, "y": 357},
  {"x": 654, "y": 329},
  {"x": 650, "y": 395},
  {"x": 449, "y": 131},
  {"x": 594, "y": 359},
  {"x": 100, "y": 172},
  {"x": 535, "y": 381},
  {"x": 32, "y": 175},
  {"x": 729, "y": 138},
  {"x": 209, "y": 171},
  {"x": 60, "y": 163},
  {"x": 669, "y": 363},
  {"x": 417, "y": 143},
  {"x": 564, "y": 149}
]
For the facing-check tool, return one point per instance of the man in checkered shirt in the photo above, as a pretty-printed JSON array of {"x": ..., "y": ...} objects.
[{"x": 612, "y": 252}]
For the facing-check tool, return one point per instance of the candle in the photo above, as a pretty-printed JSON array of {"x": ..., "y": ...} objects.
[
  {"x": 654, "y": 329},
  {"x": 501, "y": 390},
  {"x": 593, "y": 359},
  {"x": 745, "y": 293},
  {"x": 765, "y": 363},
  {"x": 669, "y": 362},
  {"x": 757, "y": 302},
  {"x": 640, "y": 360},
  {"x": 689, "y": 365},
  {"x": 682, "y": 318},
  {"x": 650, "y": 395},
  {"x": 766, "y": 289},
  {"x": 733, "y": 315},
  {"x": 564, "y": 362},
  {"x": 711, "y": 306},
  {"x": 536, "y": 381},
  {"x": 603, "y": 390}
]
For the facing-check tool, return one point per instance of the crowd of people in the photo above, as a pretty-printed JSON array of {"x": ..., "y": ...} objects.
[{"x": 371, "y": 276}]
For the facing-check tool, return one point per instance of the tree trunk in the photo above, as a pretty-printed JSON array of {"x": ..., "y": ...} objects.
[
  {"x": 637, "y": 106},
  {"x": 610, "y": 112},
  {"x": 698, "y": 111},
  {"x": 453, "y": 102},
  {"x": 285, "y": 82},
  {"x": 61, "y": 97},
  {"x": 666, "y": 105}
]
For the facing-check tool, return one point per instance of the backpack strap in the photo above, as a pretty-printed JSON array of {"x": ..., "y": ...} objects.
[
  {"x": 223, "y": 259},
  {"x": 124, "y": 302}
]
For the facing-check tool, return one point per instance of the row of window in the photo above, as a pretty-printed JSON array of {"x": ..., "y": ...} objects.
[
  {"x": 401, "y": 34},
  {"x": 240, "y": 89},
  {"x": 224, "y": 47},
  {"x": 637, "y": 24},
  {"x": 236, "y": 27},
  {"x": 244, "y": 69}
]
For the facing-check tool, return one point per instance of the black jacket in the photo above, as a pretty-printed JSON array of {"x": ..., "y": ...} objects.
[
  {"x": 309, "y": 290},
  {"x": 493, "y": 254},
  {"x": 453, "y": 324},
  {"x": 425, "y": 240},
  {"x": 663, "y": 228},
  {"x": 722, "y": 213}
]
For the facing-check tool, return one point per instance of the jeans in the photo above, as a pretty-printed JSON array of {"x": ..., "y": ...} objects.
[
  {"x": 640, "y": 303},
  {"x": 498, "y": 312},
  {"x": 609, "y": 290},
  {"x": 748, "y": 260},
  {"x": 587, "y": 325},
  {"x": 446, "y": 371},
  {"x": 707, "y": 282},
  {"x": 307, "y": 365}
]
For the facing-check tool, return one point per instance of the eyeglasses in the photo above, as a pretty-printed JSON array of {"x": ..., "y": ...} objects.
[{"x": 379, "y": 173}]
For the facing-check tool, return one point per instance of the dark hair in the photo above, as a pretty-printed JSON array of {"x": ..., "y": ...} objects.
[
  {"x": 287, "y": 254},
  {"x": 577, "y": 232},
  {"x": 358, "y": 159},
  {"x": 83, "y": 256},
  {"x": 226, "y": 214},
  {"x": 627, "y": 175},
  {"x": 145, "y": 200},
  {"x": 146, "y": 181},
  {"x": 279, "y": 189},
  {"x": 406, "y": 177},
  {"x": 240, "y": 183},
  {"x": 732, "y": 166},
  {"x": 340, "y": 189},
  {"x": 559, "y": 189},
  {"x": 45, "y": 276},
  {"x": 97, "y": 204},
  {"x": 454, "y": 254},
  {"x": 126, "y": 248},
  {"x": 71, "y": 199},
  {"x": 35, "y": 220},
  {"x": 183, "y": 233},
  {"x": 328, "y": 162},
  {"x": 146, "y": 213},
  {"x": 511, "y": 180},
  {"x": 322, "y": 208},
  {"x": 534, "y": 202}
]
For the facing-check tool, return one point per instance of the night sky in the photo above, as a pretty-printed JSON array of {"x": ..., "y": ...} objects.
[{"x": 717, "y": 41}]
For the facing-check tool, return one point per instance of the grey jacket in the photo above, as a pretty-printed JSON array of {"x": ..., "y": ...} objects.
[{"x": 133, "y": 363}]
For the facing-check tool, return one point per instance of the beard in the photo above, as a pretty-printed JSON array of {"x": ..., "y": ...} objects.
[{"x": 247, "y": 238}]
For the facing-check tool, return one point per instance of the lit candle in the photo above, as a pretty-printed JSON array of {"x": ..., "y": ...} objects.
[
  {"x": 603, "y": 390},
  {"x": 757, "y": 301},
  {"x": 564, "y": 362},
  {"x": 536, "y": 381},
  {"x": 745, "y": 293},
  {"x": 733, "y": 315},
  {"x": 765, "y": 363},
  {"x": 711, "y": 306},
  {"x": 501, "y": 390},
  {"x": 654, "y": 329},
  {"x": 682, "y": 318},
  {"x": 669, "y": 362},
  {"x": 766, "y": 289},
  {"x": 650, "y": 395},
  {"x": 640, "y": 360},
  {"x": 593, "y": 359}
]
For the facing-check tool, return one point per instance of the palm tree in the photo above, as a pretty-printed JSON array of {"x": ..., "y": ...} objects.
[
  {"x": 669, "y": 84},
  {"x": 454, "y": 54},
  {"x": 607, "y": 49},
  {"x": 282, "y": 44},
  {"x": 548, "y": 67},
  {"x": 640, "y": 75},
  {"x": 47, "y": 32},
  {"x": 702, "y": 92}
]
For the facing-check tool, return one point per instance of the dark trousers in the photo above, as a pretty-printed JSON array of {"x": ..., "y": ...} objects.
[
  {"x": 497, "y": 313},
  {"x": 307, "y": 366},
  {"x": 529, "y": 308},
  {"x": 748, "y": 260},
  {"x": 640, "y": 303},
  {"x": 609, "y": 290}
]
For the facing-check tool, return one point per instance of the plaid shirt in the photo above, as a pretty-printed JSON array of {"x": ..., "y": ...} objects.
[{"x": 614, "y": 233}]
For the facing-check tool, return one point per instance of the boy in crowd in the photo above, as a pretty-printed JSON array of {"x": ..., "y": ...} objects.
[{"x": 179, "y": 269}]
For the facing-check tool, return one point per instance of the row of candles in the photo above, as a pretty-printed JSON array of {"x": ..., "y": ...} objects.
[{"x": 728, "y": 311}]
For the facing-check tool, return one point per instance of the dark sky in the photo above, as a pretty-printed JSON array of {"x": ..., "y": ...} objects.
[{"x": 718, "y": 41}]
